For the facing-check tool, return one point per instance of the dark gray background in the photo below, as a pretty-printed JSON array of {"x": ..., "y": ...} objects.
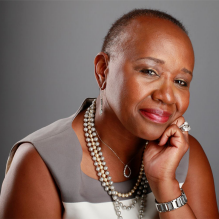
[{"x": 46, "y": 63}]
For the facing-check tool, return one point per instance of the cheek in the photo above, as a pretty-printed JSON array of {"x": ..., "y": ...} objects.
[{"x": 182, "y": 103}]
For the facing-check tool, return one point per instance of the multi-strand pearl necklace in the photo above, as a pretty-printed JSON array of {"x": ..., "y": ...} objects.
[{"x": 140, "y": 188}]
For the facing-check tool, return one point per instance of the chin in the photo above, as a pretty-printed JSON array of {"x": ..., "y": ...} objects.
[{"x": 150, "y": 134}]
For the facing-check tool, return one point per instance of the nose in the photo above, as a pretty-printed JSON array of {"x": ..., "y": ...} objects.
[{"x": 164, "y": 93}]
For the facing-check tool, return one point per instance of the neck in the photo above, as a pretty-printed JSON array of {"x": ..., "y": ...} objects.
[{"x": 114, "y": 134}]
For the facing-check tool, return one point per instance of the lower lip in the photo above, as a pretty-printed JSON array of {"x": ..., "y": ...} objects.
[{"x": 154, "y": 117}]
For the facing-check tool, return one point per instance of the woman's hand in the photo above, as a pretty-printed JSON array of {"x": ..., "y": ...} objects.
[{"x": 162, "y": 158}]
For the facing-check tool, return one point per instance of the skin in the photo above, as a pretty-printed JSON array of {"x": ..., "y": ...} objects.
[{"x": 129, "y": 83}]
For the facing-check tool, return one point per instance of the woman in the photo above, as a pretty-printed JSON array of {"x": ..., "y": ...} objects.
[{"x": 113, "y": 158}]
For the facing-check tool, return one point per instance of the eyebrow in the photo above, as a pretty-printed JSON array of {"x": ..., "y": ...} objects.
[
  {"x": 187, "y": 71},
  {"x": 159, "y": 61},
  {"x": 153, "y": 59}
]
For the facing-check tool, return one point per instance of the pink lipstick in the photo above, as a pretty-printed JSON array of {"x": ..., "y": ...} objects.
[{"x": 156, "y": 115}]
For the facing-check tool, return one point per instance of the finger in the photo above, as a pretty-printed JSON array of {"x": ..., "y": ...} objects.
[
  {"x": 171, "y": 131},
  {"x": 179, "y": 121}
]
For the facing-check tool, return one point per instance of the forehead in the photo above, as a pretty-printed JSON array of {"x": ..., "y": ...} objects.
[{"x": 154, "y": 35}]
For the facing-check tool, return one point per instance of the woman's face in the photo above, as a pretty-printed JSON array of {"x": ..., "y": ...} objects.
[{"x": 148, "y": 80}]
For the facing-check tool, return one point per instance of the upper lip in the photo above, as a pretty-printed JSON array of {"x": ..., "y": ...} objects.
[{"x": 158, "y": 112}]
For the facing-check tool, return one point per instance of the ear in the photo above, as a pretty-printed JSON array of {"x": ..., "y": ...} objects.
[{"x": 101, "y": 69}]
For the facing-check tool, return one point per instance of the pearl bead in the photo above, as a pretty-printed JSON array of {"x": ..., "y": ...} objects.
[
  {"x": 105, "y": 168},
  {"x": 85, "y": 129},
  {"x": 85, "y": 124},
  {"x": 109, "y": 177},
  {"x": 107, "y": 172},
  {"x": 90, "y": 149},
  {"x": 93, "y": 129},
  {"x": 98, "y": 169},
  {"x": 86, "y": 134},
  {"x": 92, "y": 154},
  {"x": 102, "y": 158},
  {"x": 97, "y": 143},
  {"x": 99, "y": 174},
  {"x": 89, "y": 144},
  {"x": 99, "y": 148},
  {"x": 114, "y": 197},
  {"x": 104, "y": 163},
  {"x": 94, "y": 134},
  {"x": 94, "y": 158},
  {"x": 112, "y": 187},
  {"x": 118, "y": 213},
  {"x": 106, "y": 188},
  {"x": 101, "y": 179},
  {"x": 117, "y": 208}
]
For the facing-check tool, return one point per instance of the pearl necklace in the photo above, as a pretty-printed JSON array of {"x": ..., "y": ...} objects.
[{"x": 103, "y": 173}]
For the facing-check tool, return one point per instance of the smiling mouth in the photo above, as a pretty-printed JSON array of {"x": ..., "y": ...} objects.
[{"x": 156, "y": 115}]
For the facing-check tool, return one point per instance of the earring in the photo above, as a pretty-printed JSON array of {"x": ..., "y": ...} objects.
[
  {"x": 101, "y": 102},
  {"x": 101, "y": 98}
]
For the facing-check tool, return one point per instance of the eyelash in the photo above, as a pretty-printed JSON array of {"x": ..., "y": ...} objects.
[
  {"x": 184, "y": 83},
  {"x": 150, "y": 71},
  {"x": 146, "y": 71}
]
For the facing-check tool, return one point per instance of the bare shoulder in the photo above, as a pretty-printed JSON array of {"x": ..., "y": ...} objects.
[
  {"x": 199, "y": 184},
  {"x": 28, "y": 189}
]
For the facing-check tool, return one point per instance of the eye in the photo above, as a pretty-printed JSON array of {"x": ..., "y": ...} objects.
[
  {"x": 181, "y": 83},
  {"x": 149, "y": 72}
]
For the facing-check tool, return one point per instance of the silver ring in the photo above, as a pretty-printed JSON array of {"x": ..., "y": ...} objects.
[{"x": 185, "y": 127}]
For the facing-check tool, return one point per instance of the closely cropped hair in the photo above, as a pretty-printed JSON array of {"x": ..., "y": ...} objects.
[{"x": 119, "y": 25}]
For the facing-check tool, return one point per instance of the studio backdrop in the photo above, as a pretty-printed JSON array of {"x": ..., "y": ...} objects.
[{"x": 47, "y": 50}]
